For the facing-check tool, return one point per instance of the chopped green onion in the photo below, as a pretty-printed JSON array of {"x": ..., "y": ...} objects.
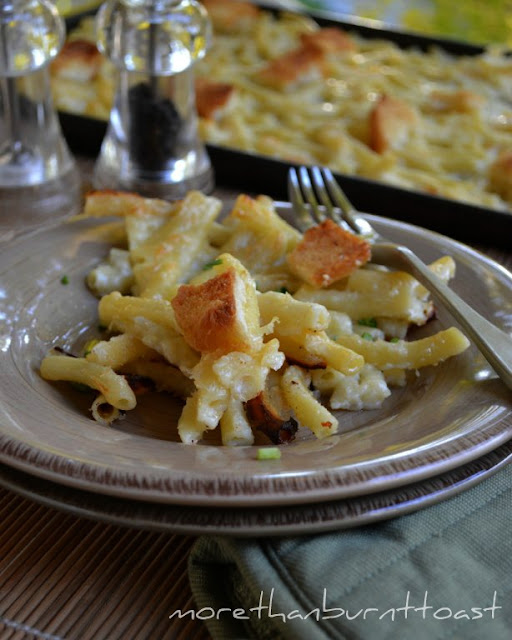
[
  {"x": 89, "y": 347},
  {"x": 64, "y": 280},
  {"x": 367, "y": 322},
  {"x": 367, "y": 336},
  {"x": 269, "y": 453},
  {"x": 395, "y": 340},
  {"x": 214, "y": 263}
]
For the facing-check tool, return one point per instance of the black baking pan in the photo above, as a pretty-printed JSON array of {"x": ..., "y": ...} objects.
[{"x": 254, "y": 173}]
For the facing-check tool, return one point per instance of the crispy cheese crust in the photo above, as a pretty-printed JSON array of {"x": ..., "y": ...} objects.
[
  {"x": 307, "y": 60},
  {"x": 462, "y": 101},
  {"x": 292, "y": 68},
  {"x": 212, "y": 97},
  {"x": 500, "y": 175},
  {"x": 328, "y": 253},
  {"x": 329, "y": 40},
  {"x": 109, "y": 202},
  {"x": 390, "y": 122},
  {"x": 264, "y": 416},
  {"x": 78, "y": 59},
  {"x": 231, "y": 15},
  {"x": 207, "y": 315}
]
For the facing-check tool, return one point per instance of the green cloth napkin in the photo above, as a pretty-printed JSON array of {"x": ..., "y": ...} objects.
[{"x": 443, "y": 573}]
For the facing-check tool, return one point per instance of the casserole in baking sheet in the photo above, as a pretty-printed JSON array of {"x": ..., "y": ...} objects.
[{"x": 395, "y": 115}]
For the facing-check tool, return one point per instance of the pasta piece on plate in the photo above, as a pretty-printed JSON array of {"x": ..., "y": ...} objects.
[{"x": 196, "y": 317}]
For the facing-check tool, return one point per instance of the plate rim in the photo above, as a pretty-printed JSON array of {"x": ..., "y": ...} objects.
[{"x": 196, "y": 520}]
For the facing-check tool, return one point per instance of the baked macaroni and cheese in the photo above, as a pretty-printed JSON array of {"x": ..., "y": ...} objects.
[
  {"x": 281, "y": 86},
  {"x": 259, "y": 328}
]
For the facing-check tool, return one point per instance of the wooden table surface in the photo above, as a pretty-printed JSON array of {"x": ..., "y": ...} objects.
[{"x": 67, "y": 577}]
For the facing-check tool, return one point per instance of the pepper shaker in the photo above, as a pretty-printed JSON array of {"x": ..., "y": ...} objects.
[
  {"x": 152, "y": 144},
  {"x": 38, "y": 177}
]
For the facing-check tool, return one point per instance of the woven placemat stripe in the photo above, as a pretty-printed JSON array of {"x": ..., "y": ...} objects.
[{"x": 63, "y": 577}]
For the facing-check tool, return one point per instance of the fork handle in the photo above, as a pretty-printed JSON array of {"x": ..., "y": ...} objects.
[{"x": 494, "y": 344}]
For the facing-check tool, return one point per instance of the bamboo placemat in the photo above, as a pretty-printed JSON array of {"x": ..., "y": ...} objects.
[{"x": 63, "y": 577}]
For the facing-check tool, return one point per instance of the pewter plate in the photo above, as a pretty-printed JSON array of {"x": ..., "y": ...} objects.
[{"x": 446, "y": 417}]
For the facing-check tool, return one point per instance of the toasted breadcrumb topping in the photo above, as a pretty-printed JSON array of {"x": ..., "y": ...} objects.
[{"x": 328, "y": 253}]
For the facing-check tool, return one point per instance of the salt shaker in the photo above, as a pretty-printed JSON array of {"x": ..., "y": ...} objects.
[
  {"x": 152, "y": 144},
  {"x": 38, "y": 176}
]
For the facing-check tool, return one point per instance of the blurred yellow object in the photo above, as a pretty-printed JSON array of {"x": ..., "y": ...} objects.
[
  {"x": 477, "y": 21},
  {"x": 69, "y": 8}
]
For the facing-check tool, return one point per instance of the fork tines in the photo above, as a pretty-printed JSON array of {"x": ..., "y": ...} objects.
[{"x": 316, "y": 196}]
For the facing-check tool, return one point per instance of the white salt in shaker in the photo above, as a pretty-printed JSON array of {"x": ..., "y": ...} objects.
[{"x": 38, "y": 177}]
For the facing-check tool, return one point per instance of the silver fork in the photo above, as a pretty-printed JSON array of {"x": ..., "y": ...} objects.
[{"x": 316, "y": 196}]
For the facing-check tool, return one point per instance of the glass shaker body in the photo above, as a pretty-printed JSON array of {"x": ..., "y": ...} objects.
[
  {"x": 151, "y": 145},
  {"x": 37, "y": 172}
]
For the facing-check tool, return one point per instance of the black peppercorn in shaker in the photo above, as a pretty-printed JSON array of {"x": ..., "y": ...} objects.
[
  {"x": 160, "y": 121},
  {"x": 152, "y": 145}
]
